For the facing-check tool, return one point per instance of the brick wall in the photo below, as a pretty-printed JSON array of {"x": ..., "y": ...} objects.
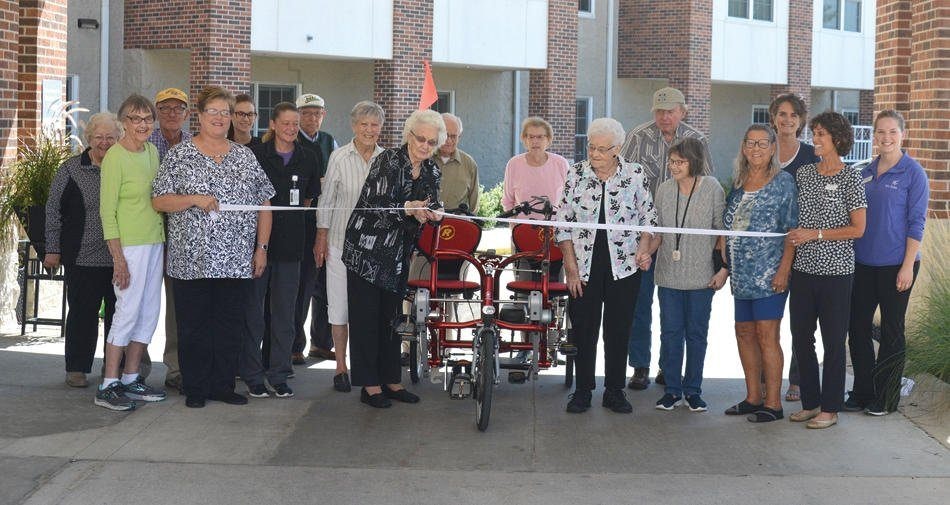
[
  {"x": 552, "y": 91},
  {"x": 398, "y": 82},
  {"x": 9, "y": 43},
  {"x": 912, "y": 75},
  {"x": 866, "y": 107},
  {"x": 799, "y": 53},
  {"x": 218, "y": 33},
  {"x": 42, "y": 55}
]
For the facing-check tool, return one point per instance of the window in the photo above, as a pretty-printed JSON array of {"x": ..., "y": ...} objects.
[
  {"x": 761, "y": 9},
  {"x": 266, "y": 96},
  {"x": 445, "y": 103},
  {"x": 582, "y": 119},
  {"x": 760, "y": 114},
  {"x": 852, "y": 115},
  {"x": 842, "y": 15},
  {"x": 585, "y": 8},
  {"x": 72, "y": 93}
]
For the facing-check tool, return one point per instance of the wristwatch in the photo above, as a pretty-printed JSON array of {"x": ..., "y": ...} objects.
[
  {"x": 820, "y": 236},
  {"x": 263, "y": 247}
]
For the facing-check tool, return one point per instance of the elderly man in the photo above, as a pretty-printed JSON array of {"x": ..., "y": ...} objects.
[
  {"x": 312, "y": 293},
  {"x": 173, "y": 112},
  {"x": 459, "y": 170},
  {"x": 648, "y": 145}
]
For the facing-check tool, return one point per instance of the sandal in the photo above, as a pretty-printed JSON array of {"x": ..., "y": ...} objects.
[
  {"x": 741, "y": 408},
  {"x": 793, "y": 395},
  {"x": 765, "y": 415}
]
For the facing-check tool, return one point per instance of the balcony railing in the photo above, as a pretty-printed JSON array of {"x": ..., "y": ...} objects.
[{"x": 861, "y": 150}]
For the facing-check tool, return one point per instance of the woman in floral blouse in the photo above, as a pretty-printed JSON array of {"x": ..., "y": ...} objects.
[
  {"x": 603, "y": 266},
  {"x": 376, "y": 253},
  {"x": 212, "y": 255}
]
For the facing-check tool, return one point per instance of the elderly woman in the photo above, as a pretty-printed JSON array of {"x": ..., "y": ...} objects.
[
  {"x": 376, "y": 250},
  {"x": 689, "y": 269},
  {"x": 135, "y": 238},
  {"x": 242, "y": 123},
  {"x": 346, "y": 174},
  {"x": 74, "y": 240},
  {"x": 763, "y": 199},
  {"x": 887, "y": 259},
  {"x": 212, "y": 255},
  {"x": 833, "y": 204},
  {"x": 535, "y": 172},
  {"x": 603, "y": 266},
  {"x": 788, "y": 115}
]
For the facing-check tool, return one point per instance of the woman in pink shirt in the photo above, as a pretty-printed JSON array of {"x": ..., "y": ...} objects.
[{"x": 535, "y": 172}]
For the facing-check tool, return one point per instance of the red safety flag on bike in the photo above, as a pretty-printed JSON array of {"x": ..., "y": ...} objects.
[{"x": 429, "y": 94}]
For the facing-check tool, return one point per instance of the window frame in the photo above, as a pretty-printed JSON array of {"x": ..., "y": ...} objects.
[
  {"x": 255, "y": 95},
  {"x": 588, "y": 13},
  {"x": 450, "y": 100},
  {"x": 760, "y": 108},
  {"x": 589, "y": 117},
  {"x": 841, "y": 6},
  {"x": 750, "y": 12},
  {"x": 846, "y": 111}
]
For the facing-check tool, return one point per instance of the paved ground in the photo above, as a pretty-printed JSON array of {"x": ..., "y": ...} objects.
[{"x": 326, "y": 447}]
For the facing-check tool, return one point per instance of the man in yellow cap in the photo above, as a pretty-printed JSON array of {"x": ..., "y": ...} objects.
[
  {"x": 648, "y": 145},
  {"x": 173, "y": 111}
]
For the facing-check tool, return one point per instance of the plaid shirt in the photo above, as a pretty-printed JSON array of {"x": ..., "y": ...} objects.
[
  {"x": 646, "y": 146},
  {"x": 162, "y": 145}
]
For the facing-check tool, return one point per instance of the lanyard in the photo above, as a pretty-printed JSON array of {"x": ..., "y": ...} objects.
[{"x": 676, "y": 219}]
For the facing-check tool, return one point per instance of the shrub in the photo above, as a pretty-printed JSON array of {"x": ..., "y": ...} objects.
[
  {"x": 928, "y": 330},
  {"x": 489, "y": 203}
]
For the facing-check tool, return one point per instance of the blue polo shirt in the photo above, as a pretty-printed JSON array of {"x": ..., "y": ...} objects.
[{"x": 897, "y": 210}]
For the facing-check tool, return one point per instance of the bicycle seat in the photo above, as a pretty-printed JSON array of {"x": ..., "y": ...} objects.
[{"x": 555, "y": 289}]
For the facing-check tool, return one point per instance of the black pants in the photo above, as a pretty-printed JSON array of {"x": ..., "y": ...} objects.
[
  {"x": 616, "y": 300},
  {"x": 823, "y": 300},
  {"x": 210, "y": 315},
  {"x": 878, "y": 379},
  {"x": 374, "y": 346},
  {"x": 86, "y": 288},
  {"x": 312, "y": 297}
]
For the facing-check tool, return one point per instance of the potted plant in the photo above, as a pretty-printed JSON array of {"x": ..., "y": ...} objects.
[{"x": 25, "y": 183}]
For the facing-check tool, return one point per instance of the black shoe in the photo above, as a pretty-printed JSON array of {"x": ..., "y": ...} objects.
[
  {"x": 852, "y": 404},
  {"x": 400, "y": 395},
  {"x": 660, "y": 379},
  {"x": 194, "y": 402},
  {"x": 282, "y": 390},
  {"x": 640, "y": 379},
  {"x": 580, "y": 401},
  {"x": 341, "y": 382},
  {"x": 615, "y": 400},
  {"x": 742, "y": 408},
  {"x": 378, "y": 401},
  {"x": 876, "y": 409},
  {"x": 258, "y": 391},
  {"x": 229, "y": 397}
]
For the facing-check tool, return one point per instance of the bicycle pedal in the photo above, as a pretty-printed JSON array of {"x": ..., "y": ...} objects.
[
  {"x": 461, "y": 386},
  {"x": 568, "y": 350},
  {"x": 517, "y": 377}
]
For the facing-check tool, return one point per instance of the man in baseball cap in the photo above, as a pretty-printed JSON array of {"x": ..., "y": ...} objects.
[{"x": 648, "y": 145}]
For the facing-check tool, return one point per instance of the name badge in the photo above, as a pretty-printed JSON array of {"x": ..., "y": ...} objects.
[
  {"x": 868, "y": 179},
  {"x": 294, "y": 192},
  {"x": 831, "y": 187}
]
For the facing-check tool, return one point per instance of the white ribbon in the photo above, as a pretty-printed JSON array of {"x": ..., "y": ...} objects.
[{"x": 227, "y": 207}]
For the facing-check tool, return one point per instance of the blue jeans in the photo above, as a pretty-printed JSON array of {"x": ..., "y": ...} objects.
[
  {"x": 684, "y": 317},
  {"x": 641, "y": 338}
]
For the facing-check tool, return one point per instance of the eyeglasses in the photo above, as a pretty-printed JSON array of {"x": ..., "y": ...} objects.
[
  {"x": 218, "y": 112},
  {"x": 172, "y": 109},
  {"x": 312, "y": 113},
  {"x": 676, "y": 163},
  {"x": 423, "y": 140},
  {"x": 136, "y": 120},
  {"x": 101, "y": 138},
  {"x": 246, "y": 115},
  {"x": 761, "y": 143},
  {"x": 452, "y": 137},
  {"x": 536, "y": 137},
  {"x": 602, "y": 150}
]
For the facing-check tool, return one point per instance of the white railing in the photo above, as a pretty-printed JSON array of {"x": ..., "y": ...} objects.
[{"x": 863, "y": 143}]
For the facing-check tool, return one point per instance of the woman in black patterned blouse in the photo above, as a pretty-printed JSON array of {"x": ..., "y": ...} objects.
[
  {"x": 376, "y": 254},
  {"x": 832, "y": 208}
]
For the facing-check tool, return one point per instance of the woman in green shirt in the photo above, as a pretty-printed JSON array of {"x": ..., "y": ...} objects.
[{"x": 134, "y": 233}]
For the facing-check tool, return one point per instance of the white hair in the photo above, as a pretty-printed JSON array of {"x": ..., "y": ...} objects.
[
  {"x": 101, "y": 120},
  {"x": 449, "y": 115},
  {"x": 367, "y": 108},
  {"x": 426, "y": 117},
  {"x": 607, "y": 127}
]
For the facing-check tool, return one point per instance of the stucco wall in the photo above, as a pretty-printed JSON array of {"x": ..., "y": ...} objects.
[
  {"x": 730, "y": 115},
  {"x": 592, "y": 55},
  {"x": 84, "y": 57}
]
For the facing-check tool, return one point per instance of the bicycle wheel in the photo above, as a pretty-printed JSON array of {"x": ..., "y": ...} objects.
[
  {"x": 484, "y": 377},
  {"x": 418, "y": 355}
]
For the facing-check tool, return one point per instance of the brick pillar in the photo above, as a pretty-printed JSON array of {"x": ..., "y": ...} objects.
[
  {"x": 397, "y": 83},
  {"x": 928, "y": 120},
  {"x": 866, "y": 107},
  {"x": 892, "y": 56},
  {"x": 42, "y": 55},
  {"x": 9, "y": 43},
  {"x": 669, "y": 40},
  {"x": 799, "y": 53},
  {"x": 552, "y": 91}
]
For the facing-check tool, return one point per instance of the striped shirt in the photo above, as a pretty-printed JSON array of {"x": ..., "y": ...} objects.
[
  {"x": 646, "y": 146},
  {"x": 160, "y": 143},
  {"x": 346, "y": 174}
]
